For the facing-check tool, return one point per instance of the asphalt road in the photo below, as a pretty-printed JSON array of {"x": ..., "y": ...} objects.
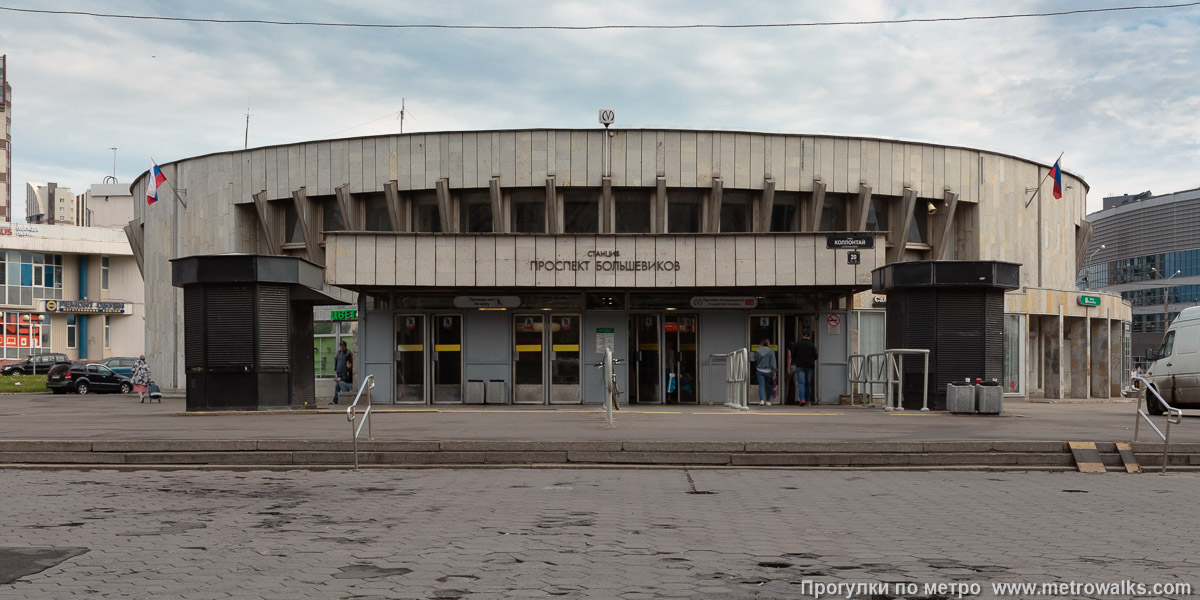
[{"x": 628, "y": 534}]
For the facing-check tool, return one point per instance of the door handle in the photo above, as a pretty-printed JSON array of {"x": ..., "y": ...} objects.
[{"x": 1169, "y": 364}]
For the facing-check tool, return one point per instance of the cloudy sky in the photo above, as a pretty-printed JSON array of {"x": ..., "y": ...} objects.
[{"x": 1117, "y": 92}]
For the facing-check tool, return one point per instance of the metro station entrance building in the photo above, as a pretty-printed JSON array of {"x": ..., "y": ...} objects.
[{"x": 495, "y": 266}]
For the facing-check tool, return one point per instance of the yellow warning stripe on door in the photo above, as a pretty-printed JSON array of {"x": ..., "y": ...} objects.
[
  {"x": 1087, "y": 458},
  {"x": 410, "y": 347},
  {"x": 448, "y": 347},
  {"x": 648, "y": 347},
  {"x": 566, "y": 347},
  {"x": 529, "y": 347}
]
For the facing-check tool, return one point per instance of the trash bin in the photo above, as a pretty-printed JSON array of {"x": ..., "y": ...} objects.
[
  {"x": 960, "y": 397},
  {"x": 497, "y": 392},
  {"x": 474, "y": 391},
  {"x": 989, "y": 397}
]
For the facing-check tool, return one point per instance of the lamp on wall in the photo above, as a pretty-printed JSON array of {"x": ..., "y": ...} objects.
[{"x": 932, "y": 208}]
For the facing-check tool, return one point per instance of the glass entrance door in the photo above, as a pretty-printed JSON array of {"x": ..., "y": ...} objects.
[
  {"x": 447, "y": 359},
  {"x": 794, "y": 326},
  {"x": 679, "y": 349},
  {"x": 647, "y": 372},
  {"x": 765, "y": 327},
  {"x": 528, "y": 359},
  {"x": 410, "y": 359},
  {"x": 565, "y": 335}
]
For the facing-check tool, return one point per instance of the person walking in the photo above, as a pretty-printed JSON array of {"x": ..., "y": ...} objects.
[
  {"x": 343, "y": 368},
  {"x": 803, "y": 356},
  {"x": 765, "y": 366},
  {"x": 141, "y": 377}
]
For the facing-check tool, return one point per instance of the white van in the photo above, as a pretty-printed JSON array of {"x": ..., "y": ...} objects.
[{"x": 1175, "y": 372}]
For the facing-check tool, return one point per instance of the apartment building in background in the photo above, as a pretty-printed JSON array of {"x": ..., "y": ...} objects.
[{"x": 5, "y": 144}]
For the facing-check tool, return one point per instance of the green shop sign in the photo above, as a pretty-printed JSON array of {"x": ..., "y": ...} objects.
[
  {"x": 344, "y": 315},
  {"x": 1089, "y": 300}
]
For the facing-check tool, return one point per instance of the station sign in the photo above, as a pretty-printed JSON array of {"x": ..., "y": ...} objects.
[
  {"x": 724, "y": 302},
  {"x": 487, "y": 301},
  {"x": 1089, "y": 300},
  {"x": 83, "y": 307},
  {"x": 849, "y": 242},
  {"x": 350, "y": 314}
]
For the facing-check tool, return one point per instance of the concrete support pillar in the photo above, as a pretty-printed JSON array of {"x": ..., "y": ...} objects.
[
  {"x": 1052, "y": 363},
  {"x": 1116, "y": 357},
  {"x": 1076, "y": 350},
  {"x": 1099, "y": 373}
]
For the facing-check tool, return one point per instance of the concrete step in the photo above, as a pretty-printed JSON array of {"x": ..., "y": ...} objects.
[{"x": 1014, "y": 455}]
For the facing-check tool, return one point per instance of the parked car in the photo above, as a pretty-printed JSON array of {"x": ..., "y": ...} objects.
[
  {"x": 33, "y": 364},
  {"x": 121, "y": 365},
  {"x": 81, "y": 378},
  {"x": 1175, "y": 372}
]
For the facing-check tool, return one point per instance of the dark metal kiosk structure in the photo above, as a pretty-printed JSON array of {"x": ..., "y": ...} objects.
[
  {"x": 954, "y": 309},
  {"x": 248, "y": 330}
]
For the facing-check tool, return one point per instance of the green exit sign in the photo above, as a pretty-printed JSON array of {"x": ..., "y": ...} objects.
[
  {"x": 344, "y": 315},
  {"x": 1089, "y": 300}
]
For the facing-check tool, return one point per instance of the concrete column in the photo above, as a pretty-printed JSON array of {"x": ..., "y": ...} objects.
[
  {"x": 1076, "y": 350},
  {"x": 1052, "y": 364},
  {"x": 1098, "y": 368},
  {"x": 1116, "y": 357}
]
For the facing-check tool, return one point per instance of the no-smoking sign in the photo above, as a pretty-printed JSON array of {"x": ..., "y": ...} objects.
[{"x": 833, "y": 324}]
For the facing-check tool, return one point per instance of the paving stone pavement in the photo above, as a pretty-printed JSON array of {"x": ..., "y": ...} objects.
[{"x": 596, "y": 533}]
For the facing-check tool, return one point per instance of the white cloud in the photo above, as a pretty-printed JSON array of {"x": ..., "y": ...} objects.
[{"x": 1116, "y": 91}]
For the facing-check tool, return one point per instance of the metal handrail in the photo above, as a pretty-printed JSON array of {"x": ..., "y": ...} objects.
[
  {"x": 737, "y": 369},
  {"x": 352, "y": 414},
  {"x": 897, "y": 370},
  {"x": 1174, "y": 415}
]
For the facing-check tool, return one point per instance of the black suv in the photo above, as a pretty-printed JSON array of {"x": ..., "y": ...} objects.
[
  {"x": 36, "y": 363},
  {"x": 82, "y": 378}
]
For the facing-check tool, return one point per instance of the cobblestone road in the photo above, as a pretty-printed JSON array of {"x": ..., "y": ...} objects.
[{"x": 629, "y": 534}]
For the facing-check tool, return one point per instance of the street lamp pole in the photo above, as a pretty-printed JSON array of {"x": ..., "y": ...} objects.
[{"x": 1166, "y": 298}]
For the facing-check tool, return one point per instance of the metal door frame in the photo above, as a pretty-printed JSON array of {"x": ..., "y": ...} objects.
[
  {"x": 431, "y": 352},
  {"x": 549, "y": 352},
  {"x": 545, "y": 362},
  {"x": 636, "y": 363},
  {"x": 695, "y": 320},
  {"x": 425, "y": 374}
]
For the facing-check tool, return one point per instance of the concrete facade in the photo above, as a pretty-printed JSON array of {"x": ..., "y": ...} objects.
[
  {"x": 51, "y": 204},
  {"x": 927, "y": 201}
]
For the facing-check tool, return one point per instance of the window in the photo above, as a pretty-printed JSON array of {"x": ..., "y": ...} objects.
[
  {"x": 1168, "y": 345},
  {"x": 529, "y": 211},
  {"x": 683, "y": 211},
  {"x": 375, "y": 213},
  {"x": 877, "y": 214},
  {"x": 331, "y": 216},
  {"x": 293, "y": 232},
  {"x": 103, "y": 272},
  {"x": 581, "y": 211},
  {"x": 106, "y": 332},
  {"x": 425, "y": 213},
  {"x": 475, "y": 212},
  {"x": 71, "y": 331},
  {"x": 785, "y": 213},
  {"x": 833, "y": 214},
  {"x": 633, "y": 211},
  {"x": 918, "y": 230},
  {"x": 735, "y": 211},
  {"x": 1013, "y": 327}
]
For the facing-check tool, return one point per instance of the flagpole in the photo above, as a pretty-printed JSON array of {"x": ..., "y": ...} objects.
[
  {"x": 168, "y": 182},
  {"x": 1039, "y": 185}
]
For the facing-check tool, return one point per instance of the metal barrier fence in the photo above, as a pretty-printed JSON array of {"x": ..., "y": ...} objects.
[
  {"x": 737, "y": 370},
  {"x": 895, "y": 377},
  {"x": 1174, "y": 416},
  {"x": 867, "y": 371}
]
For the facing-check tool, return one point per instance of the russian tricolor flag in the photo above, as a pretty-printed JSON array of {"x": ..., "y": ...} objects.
[
  {"x": 1056, "y": 173},
  {"x": 157, "y": 179}
]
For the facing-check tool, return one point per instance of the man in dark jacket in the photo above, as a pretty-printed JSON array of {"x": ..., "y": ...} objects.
[
  {"x": 803, "y": 356},
  {"x": 343, "y": 367}
]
